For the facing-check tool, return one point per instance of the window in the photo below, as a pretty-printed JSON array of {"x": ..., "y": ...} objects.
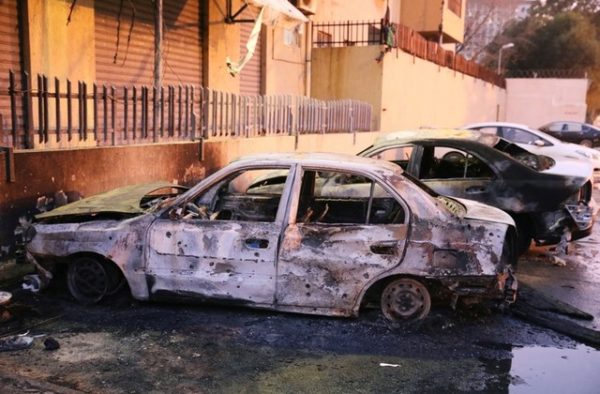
[
  {"x": 345, "y": 198},
  {"x": 449, "y": 163},
  {"x": 455, "y": 6},
  {"x": 519, "y": 136},
  {"x": 399, "y": 155},
  {"x": 290, "y": 37},
  {"x": 250, "y": 195},
  {"x": 323, "y": 39}
]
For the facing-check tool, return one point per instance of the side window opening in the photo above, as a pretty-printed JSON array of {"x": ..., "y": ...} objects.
[
  {"x": 450, "y": 163},
  {"x": 250, "y": 195},
  {"x": 345, "y": 198},
  {"x": 397, "y": 155}
]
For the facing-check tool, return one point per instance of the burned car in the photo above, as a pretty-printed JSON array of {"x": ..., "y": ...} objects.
[
  {"x": 289, "y": 242},
  {"x": 546, "y": 207}
]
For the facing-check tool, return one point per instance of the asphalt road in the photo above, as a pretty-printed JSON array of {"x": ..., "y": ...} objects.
[{"x": 132, "y": 347}]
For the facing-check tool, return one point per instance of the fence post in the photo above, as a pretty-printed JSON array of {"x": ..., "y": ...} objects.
[
  {"x": 13, "y": 107},
  {"x": 57, "y": 107},
  {"x": 28, "y": 115},
  {"x": 154, "y": 114},
  {"x": 112, "y": 115},
  {"x": 69, "y": 111},
  {"x": 95, "y": 103},
  {"x": 134, "y": 117},
  {"x": 104, "y": 113},
  {"x": 125, "y": 112}
]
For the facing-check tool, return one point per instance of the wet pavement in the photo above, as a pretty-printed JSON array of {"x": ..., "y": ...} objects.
[{"x": 132, "y": 347}]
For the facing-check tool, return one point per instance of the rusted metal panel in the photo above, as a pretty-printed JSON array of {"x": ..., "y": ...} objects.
[
  {"x": 224, "y": 260},
  {"x": 328, "y": 266},
  {"x": 10, "y": 60},
  {"x": 125, "y": 42}
]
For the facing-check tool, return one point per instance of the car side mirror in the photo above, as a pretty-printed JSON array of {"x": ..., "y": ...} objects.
[{"x": 539, "y": 143}]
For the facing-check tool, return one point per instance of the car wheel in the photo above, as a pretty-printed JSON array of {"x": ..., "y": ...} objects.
[
  {"x": 405, "y": 299},
  {"x": 88, "y": 280},
  {"x": 586, "y": 143}
]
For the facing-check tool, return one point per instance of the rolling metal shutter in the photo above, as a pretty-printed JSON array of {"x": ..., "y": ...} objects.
[
  {"x": 251, "y": 76},
  {"x": 10, "y": 60},
  {"x": 133, "y": 61}
]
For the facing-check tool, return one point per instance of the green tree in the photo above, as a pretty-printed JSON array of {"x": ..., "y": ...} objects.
[{"x": 560, "y": 35}]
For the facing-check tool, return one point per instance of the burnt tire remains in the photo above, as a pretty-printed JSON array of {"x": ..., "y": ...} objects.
[
  {"x": 89, "y": 280},
  {"x": 405, "y": 299}
]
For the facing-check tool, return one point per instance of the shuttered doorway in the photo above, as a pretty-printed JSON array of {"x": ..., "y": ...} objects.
[
  {"x": 251, "y": 76},
  {"x": 125, "y": 42},
  {"x": 10, "y": 60}
]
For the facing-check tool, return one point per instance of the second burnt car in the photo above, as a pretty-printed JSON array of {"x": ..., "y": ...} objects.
[
  {"x": 546, "y": 207},
  {"x": 287, "y": 242}
]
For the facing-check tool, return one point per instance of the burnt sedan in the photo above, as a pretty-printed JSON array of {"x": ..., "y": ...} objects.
[
  {"x": 269, "y": 232},
  {"x": 546, "y": 207}
]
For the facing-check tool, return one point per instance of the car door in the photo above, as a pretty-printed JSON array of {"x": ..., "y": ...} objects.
[
  {"x": 222, "y": 243},
  {"x": 344, "y": 230},
  {"x": 455, "y": 172}
]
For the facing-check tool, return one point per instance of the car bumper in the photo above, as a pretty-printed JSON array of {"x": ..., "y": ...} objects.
[{"x": 501, "y": 287}]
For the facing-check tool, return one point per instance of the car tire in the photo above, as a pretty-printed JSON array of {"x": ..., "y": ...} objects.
[
  {"x": 586, "y": 143},
  {"x": 405, "y": 299},
  {"x": 89, "y": 280}
]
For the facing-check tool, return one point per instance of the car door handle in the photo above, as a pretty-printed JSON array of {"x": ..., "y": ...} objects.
[
  {"x": 254, "y": 243},
  {"x": 475, "y": 189},
  {"x": 388, "y": 247}
]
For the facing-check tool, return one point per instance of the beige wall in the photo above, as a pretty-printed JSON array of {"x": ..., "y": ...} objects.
[
  {"x": 58, "y": 49},
  {"x": 405, "y": 91},
  {"x": 418, "y": 93},
  {"x": 348, "y": 73},
  {"x": 223, "y": 40},
  {"x": 537, "y": 101},
  {"x": 426, "y": 15},
  {"x": 285, "y": 61}
]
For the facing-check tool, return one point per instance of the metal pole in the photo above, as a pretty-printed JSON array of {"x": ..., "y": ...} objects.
[
  {"x": 499, "y": 61},
  {"x": 158, "y": 41}
]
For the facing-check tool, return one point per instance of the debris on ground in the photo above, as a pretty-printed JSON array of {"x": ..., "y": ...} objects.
[
  {"x": 536, "y": 308},
  {"x": 16, "y": 342},
  {"x": 51, "y": 344},
  {"x": 32, "y": 283}
]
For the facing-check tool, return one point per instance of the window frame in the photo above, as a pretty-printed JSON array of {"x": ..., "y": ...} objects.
[{"x": 296, "y": 195}]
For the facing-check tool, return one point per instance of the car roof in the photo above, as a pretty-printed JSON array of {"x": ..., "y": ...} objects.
[
  {"x": 535, "y": 131},
  {"x": 498, "y": 124},
  {"x": 317, "y": 159},
  {"x": 402, "y": 136}
]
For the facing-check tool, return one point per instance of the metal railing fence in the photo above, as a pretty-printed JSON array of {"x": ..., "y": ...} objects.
[{"x": 58, "y": 113}]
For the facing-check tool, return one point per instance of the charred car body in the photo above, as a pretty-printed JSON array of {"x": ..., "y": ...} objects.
[
  {"x": 546, "y": 207},
  {"x": 287, "y": 242}
]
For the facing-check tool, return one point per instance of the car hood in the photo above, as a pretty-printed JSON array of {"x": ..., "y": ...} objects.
[
  {"x": 480, "y": 211},
  {"x": 124, "y": 200}
]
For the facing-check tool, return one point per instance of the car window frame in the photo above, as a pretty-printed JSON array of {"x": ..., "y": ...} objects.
[
  {"x": 419, "y": 158},
  {"x": 203, "y": 187},
  {"x": 296, "y": 188}
]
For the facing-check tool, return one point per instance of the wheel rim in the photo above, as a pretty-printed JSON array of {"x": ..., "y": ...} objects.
[
  {"x": 586, "y": 143},
  {"x": 405, "y": 299},
  {"x": 88, "y": 280}
]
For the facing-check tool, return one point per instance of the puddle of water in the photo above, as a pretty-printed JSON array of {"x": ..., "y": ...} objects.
[{"x": 550, "y": 370}]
